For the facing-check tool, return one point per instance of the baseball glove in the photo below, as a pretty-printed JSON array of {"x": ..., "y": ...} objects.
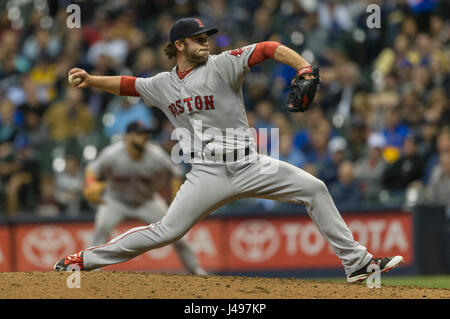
[
  {"x": 303, "y": 90},
  {"x": 93, "y": 192}
]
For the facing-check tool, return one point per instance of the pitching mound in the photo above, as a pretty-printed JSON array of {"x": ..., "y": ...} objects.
[{"x": 123, "y": 285}]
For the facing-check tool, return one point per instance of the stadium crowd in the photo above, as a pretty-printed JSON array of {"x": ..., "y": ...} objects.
[{"x": 378, "y": 136}]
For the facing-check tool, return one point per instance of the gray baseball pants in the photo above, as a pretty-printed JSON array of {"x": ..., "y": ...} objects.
[{"x": 209, "y": 186}]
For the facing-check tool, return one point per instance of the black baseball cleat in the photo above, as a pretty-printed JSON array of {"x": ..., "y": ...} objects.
[
  {"x": 71, "y": 262},
  {"x": 384, "y": 263}
]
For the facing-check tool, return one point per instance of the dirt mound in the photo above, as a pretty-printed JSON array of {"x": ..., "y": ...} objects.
[{"x": 138, "y": 285}]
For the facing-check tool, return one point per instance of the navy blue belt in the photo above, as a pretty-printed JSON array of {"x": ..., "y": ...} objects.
[{"x": 226, "y": 156}]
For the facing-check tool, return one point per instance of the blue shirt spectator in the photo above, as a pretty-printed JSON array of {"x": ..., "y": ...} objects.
[
  {"x": 121, "y": 112},
  {"x": 337, "y": 153},
  {"x": 395, "y": 132},
  {"x": 345, "y": 191},
  {"x": 290, "y": 154}
]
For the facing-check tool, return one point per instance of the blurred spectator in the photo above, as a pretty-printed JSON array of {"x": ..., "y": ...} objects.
[
  {"x": 317, "y": 149},
  {"x": 290, "y": 154},
  {"x": 421, "y": 81},
  {"x": 344, "y": 83},
  {"x": 47, "y": 205},
  {"x": 316, "y": 35},
  {"x": 263, "y": 124},
  {"x": 96, "y": 99},
  {"x": 69, "y": 186},
  {"x": 370, "y": 168},
  {"x": 12, "y": 62},
  {"x": 438, "y": 191},
  {"x": 69, "y": 117},
  {"x": 305, "y": 122},
  {"x": 281, "y": 122},
  {"x": 7, "y": 167},
  {"x": 123, "y": 110},
  {"x": 110, "y": 45},
  {"x": 35, "y": 129},
  {"x": 337, "y": 154},
  {"x": 438, "y": 106},
  {"x": 437, "y": 28},
  {"x": 442, "y": 146},
  {"x": 334, "y": 15},
  {"x": 256, "y": 89},
  {"x": 41, "y": 43},
  {"x": 412, "y": 111},
  {"x": 145, "y": 64},
  {"x": 92, "y": 27},
  {"x": 264, "y": 111},
  {"x": 429, "y": 131},
  {"x": 348, "y": 78},
  {"x": 440, "y": 69},
  {"x": 423, "y": 48},
  {"x": 9, "y": 123},
  {"x": 380, "y": 104},
  {"x": 124, "y": 28},
  {"x": 20, "y": 176},
  {"x": 407, "y": 169},
  {"x": 357, "y": 137},
  {"x": 263, "y": 27},
  {"x": 33, "y": 100},
  {"x": 44, "y": 75},
  {"x": 73, "y": 43},
  {"x": 395, "y": 133},
  {"x": 394, "y": 59},
  {"x": 409, "y": 28},
  {"x": 345, "y": 191}
]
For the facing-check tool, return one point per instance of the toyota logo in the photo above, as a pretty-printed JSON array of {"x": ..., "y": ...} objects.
[
  {"x": 255, "y": 241},
  {"x": 43, "y": 245}
]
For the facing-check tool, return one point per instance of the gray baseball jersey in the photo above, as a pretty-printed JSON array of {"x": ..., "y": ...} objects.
[
  {"x": 210, "y": 93},
  {"x": 129, "y": 181}
]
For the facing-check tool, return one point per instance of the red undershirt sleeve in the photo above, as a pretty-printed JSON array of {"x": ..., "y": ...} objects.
[
  {"x": 127, "y": 87},
  {"x": 263, "y": 51}
]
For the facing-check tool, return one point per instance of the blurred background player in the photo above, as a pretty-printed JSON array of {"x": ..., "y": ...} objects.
[{"x": 124, "y": 180}]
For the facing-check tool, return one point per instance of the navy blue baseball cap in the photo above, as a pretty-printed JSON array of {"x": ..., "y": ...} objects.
[
  {"x": 138, "y": 127},
  {"x": 189, "y": 27}
]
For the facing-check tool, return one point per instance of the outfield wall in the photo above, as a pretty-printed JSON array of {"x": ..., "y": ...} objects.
[{"x": 276, "y": 243}]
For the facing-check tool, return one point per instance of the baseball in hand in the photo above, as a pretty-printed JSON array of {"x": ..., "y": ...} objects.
[{"x": 74, "y": 81}]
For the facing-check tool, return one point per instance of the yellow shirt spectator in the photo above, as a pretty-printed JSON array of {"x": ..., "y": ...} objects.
[{"x": 70, "y": 117}]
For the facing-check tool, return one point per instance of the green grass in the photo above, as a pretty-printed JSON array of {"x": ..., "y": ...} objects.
[{"x": 438, "y": 281}]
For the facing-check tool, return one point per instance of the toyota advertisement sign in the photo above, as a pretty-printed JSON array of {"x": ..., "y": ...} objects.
[
  {"x": 295, "y": 243},
  {"x": 40, "y": 246},
  {"x": 227, "y": 245}
]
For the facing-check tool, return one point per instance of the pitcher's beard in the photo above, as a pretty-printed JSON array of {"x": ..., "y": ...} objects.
[
  {"x": 195, "y": 58},
  {"x": 138, "y": 147}
]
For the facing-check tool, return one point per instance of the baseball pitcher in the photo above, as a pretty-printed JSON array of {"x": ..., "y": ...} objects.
[{"x": 202, "y": 97}]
